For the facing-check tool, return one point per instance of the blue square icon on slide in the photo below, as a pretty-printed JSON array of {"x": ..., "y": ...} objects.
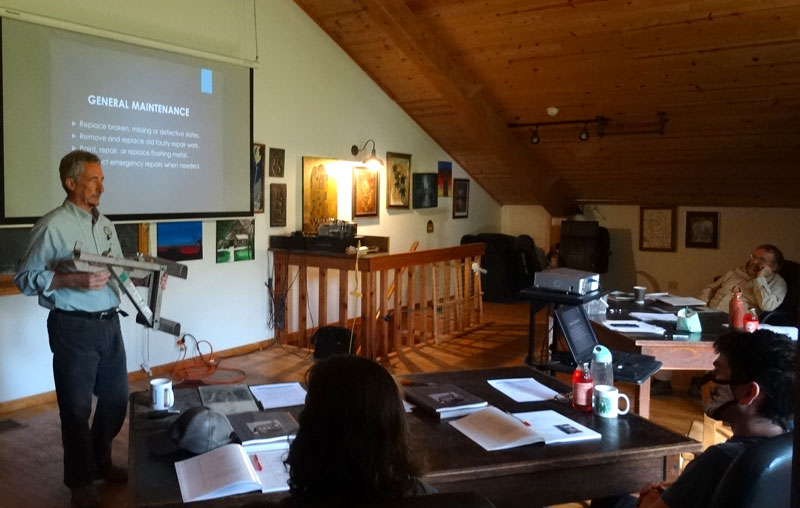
[{"x": 206, "y": 80}]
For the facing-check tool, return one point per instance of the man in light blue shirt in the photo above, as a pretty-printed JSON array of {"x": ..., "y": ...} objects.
[{"x": 83, "y": 325}]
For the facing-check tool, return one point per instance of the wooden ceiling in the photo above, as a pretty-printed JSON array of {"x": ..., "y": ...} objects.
[{"x": 726, "y": 74}]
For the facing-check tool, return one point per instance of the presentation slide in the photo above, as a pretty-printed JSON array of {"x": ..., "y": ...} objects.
[{"x": 173, "y": 131}]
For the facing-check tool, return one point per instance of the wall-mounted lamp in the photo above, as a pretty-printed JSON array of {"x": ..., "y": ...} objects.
[{"x": 373, "y": 162}]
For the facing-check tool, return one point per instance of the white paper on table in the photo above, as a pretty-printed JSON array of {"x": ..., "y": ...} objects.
[
  {"x": 407, "y": 406},
  {"x": 654, "y": 316},
  {"x": 555, "y": 427},
  {"x": 680, "y": 301},
  {"x": 523, "y": 389},
  {"x": 789, "y": 331},
  {"x": 633, "y": 326},
  {"x": 279, "y": 395},
  {"x": 274, "y": 476}
]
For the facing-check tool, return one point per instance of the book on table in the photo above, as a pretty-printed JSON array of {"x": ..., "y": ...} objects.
[
  {"x": 494, "y": 429},
  {"x": 233, "y": 469},
  {"x": 259, "y": 427},
  {"x": 444, "y": 400}
]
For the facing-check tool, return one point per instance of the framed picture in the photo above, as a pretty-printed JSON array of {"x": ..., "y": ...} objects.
[
  {"x": 180, "y": 241},
  {"x": 277, "y": 205},
  {"x": 236, "y": 240},
  {"x": 702, "y": 230},
  {"x": 320, "y": 194},
  {"x": 657, "y": 228},
  {"x": 257, "y": 177},
  {"x": 460, "y": 198},
  {"x": 277, "y": 156},
  {"x": 398, "y": 180},
  {"x": 424, "y": 190},
  {"x": 134, "y": 238},
  {"x": 365, "y": 192},
  {"x": 445, "y": 181}
]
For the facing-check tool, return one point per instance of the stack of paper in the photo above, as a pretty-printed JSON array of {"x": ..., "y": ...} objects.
[{"x": 633, "y": 326}]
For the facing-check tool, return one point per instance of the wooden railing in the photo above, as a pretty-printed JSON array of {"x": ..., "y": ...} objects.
[{"x": 405, "y": 299}]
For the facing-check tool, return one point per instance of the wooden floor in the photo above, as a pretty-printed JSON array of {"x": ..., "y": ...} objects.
[{"x": 30, "y": 455}]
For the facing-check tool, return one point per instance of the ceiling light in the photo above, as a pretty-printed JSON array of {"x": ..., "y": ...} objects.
[
  {"x": 373, "y": 162},
  {"x": 552, "y": 111},
  {"x": 584, "y": 135},
  {"x": 535, "y": 136}
]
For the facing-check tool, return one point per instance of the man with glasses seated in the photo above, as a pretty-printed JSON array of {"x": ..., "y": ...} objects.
[
  {"x": 762, "y": 287},
  {"x": 760, "y": 369}
]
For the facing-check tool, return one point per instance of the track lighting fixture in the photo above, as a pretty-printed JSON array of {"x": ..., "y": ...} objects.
[
  {"x": 584, "y": 135},
  {"x": 373, "y": 161},
  {"x": 602, "y": 124},
  {"x": 535, "y": 135}
]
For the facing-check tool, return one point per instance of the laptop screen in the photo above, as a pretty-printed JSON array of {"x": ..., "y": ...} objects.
[{"x": 577, "y": 332}]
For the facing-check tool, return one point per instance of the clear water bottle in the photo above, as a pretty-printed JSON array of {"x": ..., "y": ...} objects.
[{"x": 602, "y": 371}]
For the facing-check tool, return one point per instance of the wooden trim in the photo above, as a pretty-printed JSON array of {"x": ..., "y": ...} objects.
[{"x": 7, "y": 286}]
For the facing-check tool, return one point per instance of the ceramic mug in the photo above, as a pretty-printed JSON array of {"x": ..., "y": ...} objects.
[
  {"x": 161, "y": 395},
  {"x": 638, "y": 293},
  {"x": 606, "y": 401}
]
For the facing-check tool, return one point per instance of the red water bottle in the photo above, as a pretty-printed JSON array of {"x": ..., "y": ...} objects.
[
  {"x": 582, "y": 388},
  {"x": 736, "y": 309},
  {"x": 751, "y": 321}
]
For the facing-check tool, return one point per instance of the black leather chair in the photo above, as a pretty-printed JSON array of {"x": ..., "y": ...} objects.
[
  {"x": 787, "y": 312},
  {"x": 761, "y": 477}
]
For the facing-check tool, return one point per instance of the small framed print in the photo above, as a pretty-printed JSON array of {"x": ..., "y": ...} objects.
[
  {"x": 365, "y": 192},
  {"x": 277, "y": 157},
  {"x": 460, "y": 198},
  {"x": 702, "y": 230},
  {"x": 657, "y": 228},
  {"x": 277, "y": 205},
  {"x": 398, "y": 180},
  {"x": 425, "y": 190},
  {"x": 257, "y": 177}
]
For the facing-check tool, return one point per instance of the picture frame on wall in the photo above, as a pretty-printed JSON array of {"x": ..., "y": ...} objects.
[
  {"x": 657, "y": 228},
  {"x": 257, "y": 177},
  {"x": 424, "y": 190},
  {"x": 702, "y": 230},
  {"x": 460, "y": 198},
  {"x": 320, "y": 193},
  {"x": 365, "y": 192},
  {"x": 398, "y": 180},
  {"x": 277, "y": 157},
  {"x": 277, "y": 205}
]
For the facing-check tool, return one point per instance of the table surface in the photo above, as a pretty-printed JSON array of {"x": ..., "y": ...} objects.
[{"x": 631, "y": 453}]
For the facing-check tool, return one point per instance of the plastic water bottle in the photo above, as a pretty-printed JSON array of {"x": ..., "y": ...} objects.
[
  {"x": 602, "y": 371},
  {"x": 582, "y": 388}
]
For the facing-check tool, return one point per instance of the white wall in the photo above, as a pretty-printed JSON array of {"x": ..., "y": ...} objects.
[
  {"x": 310, "y": 99},
  {"x": 687, "y": 270}
]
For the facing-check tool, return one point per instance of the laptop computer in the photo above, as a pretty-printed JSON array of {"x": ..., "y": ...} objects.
[{"x": 581, "y": 340}]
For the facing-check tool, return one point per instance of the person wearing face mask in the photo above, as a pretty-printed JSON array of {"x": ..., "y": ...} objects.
[
  {"x": 762, "y": 287},
  {"x": 759, "y": 368}
]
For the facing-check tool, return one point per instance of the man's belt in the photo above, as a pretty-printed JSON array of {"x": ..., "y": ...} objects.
[{"x": 105, "y": 314}]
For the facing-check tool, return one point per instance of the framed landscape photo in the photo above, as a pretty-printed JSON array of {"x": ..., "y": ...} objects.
[
  {"x": 365, "y": 192},
  {"x": 460, "y": 198},
  {"x": 398, "y": 180},
  {"x": 702, "y": 230},
  {"x": 657, "y": 228}
]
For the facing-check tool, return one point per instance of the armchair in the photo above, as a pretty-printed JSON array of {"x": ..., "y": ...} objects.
[{"x": 787, "y": 312}]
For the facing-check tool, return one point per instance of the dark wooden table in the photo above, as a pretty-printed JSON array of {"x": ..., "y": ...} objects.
[
  {"x": 631, "y": 453},
  {"x": 676, "y": 350}
]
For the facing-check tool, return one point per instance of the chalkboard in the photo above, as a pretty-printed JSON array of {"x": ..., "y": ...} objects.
[{"x": 12, "y": 247}]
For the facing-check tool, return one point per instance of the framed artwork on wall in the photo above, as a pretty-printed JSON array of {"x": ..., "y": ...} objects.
[
  {"x": 277, "y": 205},
  {"x": 702, "y": 230},
  {"x": 657, "y": 228},
  {"x": 277, "y": 156},
  {"x": 320, "y": 194},
  {"x": 460, "y": 198},
  {"x": 445, "y": 180},
  {"x": 398, "y": 180},
  {"x": 425, "y": 190},
  {"x": 365, "y": 192},
  {"x": 257, "y": 177}
]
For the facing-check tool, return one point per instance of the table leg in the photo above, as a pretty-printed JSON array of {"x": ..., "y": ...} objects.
[
  {"x": 643, "y": 399},
  {"x": 531, "y": 332}
]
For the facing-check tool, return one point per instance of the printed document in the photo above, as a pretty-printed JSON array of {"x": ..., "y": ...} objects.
[
  {"x": 680, "y": 301},
  {"x": 279, "y": 395},
  {"x": 633, "y": 326},
  {"x": 523, "y": 389}
]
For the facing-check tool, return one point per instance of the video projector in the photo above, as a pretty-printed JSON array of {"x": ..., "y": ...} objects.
[{"x": 567, "y": 280}]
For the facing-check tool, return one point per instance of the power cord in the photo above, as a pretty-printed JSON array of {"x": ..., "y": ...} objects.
[{"x": 201, "y": 366}]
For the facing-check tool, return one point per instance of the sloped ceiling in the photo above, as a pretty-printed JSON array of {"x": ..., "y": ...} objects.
[{"x": 725, "y": 75}]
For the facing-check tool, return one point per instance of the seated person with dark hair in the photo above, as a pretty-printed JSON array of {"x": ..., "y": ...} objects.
[
  {"x": 762, "y": 287},
  {"x": 760, "y": 369},
  {"x": 352, "y": 447}
]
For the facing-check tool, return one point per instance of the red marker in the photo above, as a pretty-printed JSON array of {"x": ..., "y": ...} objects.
[{"x": 256, "y": 463}]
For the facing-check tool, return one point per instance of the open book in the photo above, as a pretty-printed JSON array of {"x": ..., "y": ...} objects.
[
  {"x": 443, "y": 401},
  {"x": 233, "y": 469},
  {"x": 494, "y": 429}
]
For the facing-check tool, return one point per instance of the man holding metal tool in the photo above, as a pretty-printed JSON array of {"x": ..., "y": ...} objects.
[{"x": 83, "y": 326}]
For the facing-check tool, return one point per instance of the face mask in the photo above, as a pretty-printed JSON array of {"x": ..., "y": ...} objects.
[{"x": 721, "y": 398}]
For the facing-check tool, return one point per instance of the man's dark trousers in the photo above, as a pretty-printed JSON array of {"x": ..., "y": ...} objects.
[{"x": 88, "y": 358}]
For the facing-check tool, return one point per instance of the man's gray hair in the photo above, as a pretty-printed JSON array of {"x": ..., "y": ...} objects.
[{"x": 71, "y": 165}]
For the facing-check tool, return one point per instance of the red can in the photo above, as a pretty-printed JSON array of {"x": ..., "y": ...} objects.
[{"x": 751, "y": 321}]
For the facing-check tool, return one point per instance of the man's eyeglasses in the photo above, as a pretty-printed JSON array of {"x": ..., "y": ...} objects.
[{"x": 760, "y": 259}]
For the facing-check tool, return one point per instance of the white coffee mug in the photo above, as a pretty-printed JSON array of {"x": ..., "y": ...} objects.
[
  {"x": 161, "y": 394},
  {"x": 606, "y": 401}
]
